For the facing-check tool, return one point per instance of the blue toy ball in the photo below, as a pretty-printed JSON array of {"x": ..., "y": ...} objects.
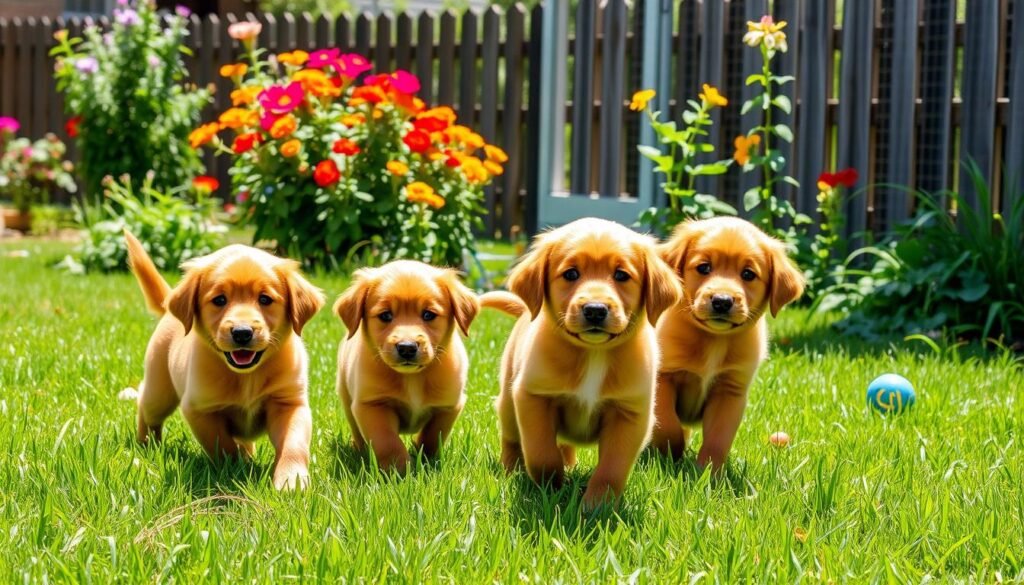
[{"x": 891, "y": 394}]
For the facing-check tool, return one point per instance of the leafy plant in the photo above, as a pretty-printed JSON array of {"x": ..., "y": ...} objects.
[
  {"x": 171, "y": 228},
  {"x": 820, "y": 256},
  {"x": 680, "y": 165},
  {"x": 324, "y": 164},
  {"x": 29, "y": 171},
  {"x": 964, "y": 273},
  {"x": 131, "y": 112}
]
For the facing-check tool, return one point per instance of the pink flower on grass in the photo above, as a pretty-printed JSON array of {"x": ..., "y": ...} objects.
[
  {"x": 9, "y": 124},
  {"x": 405, "y": 82},
  {"x": 352, "y": 65},
  {"x": 278, "y": 100},
  {"x": 323, "y": 58}
]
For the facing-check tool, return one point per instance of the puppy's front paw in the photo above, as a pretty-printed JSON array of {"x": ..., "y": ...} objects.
[
  {"x": 599, "y": 494},
  {"x": 292, "y": 479}
]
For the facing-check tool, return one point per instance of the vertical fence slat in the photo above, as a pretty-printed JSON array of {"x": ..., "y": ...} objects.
[
  {"x": 403, "y": 42},
  {"x": 382, "y": 46},
  {"x": 981, "y": 53},
  {"x": 612, "y": 95},
  {"x": 23, "y": 99},
  {"x": 286, "y": 33},
  {"x": 750, "y": 64},
  {"x": 583, "y": 99},
  {"x": 364, "y": 26},
  {"x": 1014, "y": 187},
  {"x": 512, "y": 118},
  {"x": 467, "y": 69},
  {"x": 56, "y": 111},
  {"x": 935, "y": 138},
  {"x": 786, "y": 64},
  {"x": 687, "y": 55},
  {"x": 901, "y": 111},
  {"x": 446, "y": 59},
  {"x": 226, "y": 54},
  {"x": 343, "y": 33},
  {"x": 304, "y": 31},
  {"x": 810, "y": 137},
  {"x": 711, "y": 72},
  {"x": 40, "y": 81},
  {"x": 268, "y": 35},
  {"x": 855, "y": 105},
  {"x": 322, "y": 39},
  {"x": 8, "y": 30},
  {"x": 530, "y": 206},
  {"x": 489, "y": 104},
  {"x": 425, "y": 55}
]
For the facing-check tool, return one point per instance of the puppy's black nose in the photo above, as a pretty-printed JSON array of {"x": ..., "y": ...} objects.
[
  {"x": 407, "y": 349},
  {"x": 595, "y": 313},
  {"x": 721, "y": 303},
  {"x": 241, "y": 334}
]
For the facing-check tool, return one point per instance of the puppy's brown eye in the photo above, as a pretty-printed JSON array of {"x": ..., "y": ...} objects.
[
  {"x": 748, "y": 275},
  {"x": 265, "y": 300},
  {"x": 429, "y": 315},
  {"x": 220, "y": 300},
  {"x": 386, "y": 316},
  {"x": 621, "y": 275},
  {"x": 704, "y": 268},
  {"x": 571, "y": 274}
]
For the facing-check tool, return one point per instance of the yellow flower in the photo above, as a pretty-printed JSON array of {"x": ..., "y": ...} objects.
[
  {"x": 283, "y": 126},
  {"x": 711, "y": 96},
  {"x": 473, "y": 141},
  {"x": 291, "y": 148},
  {"x": 351, "y": 120},
  {"x": 641, "y": 98},
  {"x": 436, "y": 155},
  {"x": 474, "y": 171},
  {"x": 420, "y": 192},
  {"x": 823, "y": 186},
  {"x": 441, "y": 112},
  {"x": 234, "y": 70},
  {"x": 244, "y": 96},
  {"x": 316, "y": 83},
  {"x": 766, "y": 32},
  {"x": 744, "y": 145},
  {"x": 495, "y": 154},
  {"x": 296, "y": 58},
  {"x": 493, "y": 168},
  {"x": 397, "y": 168},
  {"x": 238, "y": 117}
]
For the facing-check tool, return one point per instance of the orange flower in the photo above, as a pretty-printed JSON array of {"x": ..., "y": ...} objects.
[
  {"x": 235, "y": 70},
  {"x": 420, "y": 192},
  {"x": 238, "y": 117},
  {"x": 367, "y": 94},
  {"x": 495, "y": 154},
  {"x": 474, "y": 171},
  {"x": 291, "y": 148},
  {"x": 245, "y": 142},
  {"x": 744, "y": 146},
  {"x": 397, "y": 168},
  {"x": 205, "y": 184},
  {"x": 473, "y": 141},
  {"x": 316, "y": 82},
  {"x": 640, "y": 99},
  {"x": 457, "y": 133},
  {"x": 711, "y": 96},
  {"x": 244, "y": 96},
  {"x": 204, "y": 134},
  {"x": 346, "y": 147},
  {"x": 295, "y": 58},
  {"x": 326, "y": 173},
  {"x": 493, "y": 168},
  {"x": 351, "y": 120},
  {"x": 435, "y": 155},
  {"x": 283, "y": 126},
  {"x": 441, "y": 112}
]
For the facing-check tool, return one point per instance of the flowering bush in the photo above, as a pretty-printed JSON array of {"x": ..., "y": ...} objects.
[
  {"x": 30, "y": 170},
  {"x": 323, "y": 163},
  {"x": 822, "y": 256},
  {"x": 130, "y": 111}
]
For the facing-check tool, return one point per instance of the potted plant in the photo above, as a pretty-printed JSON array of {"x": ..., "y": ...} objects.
[{"x": 29, "y": 171}]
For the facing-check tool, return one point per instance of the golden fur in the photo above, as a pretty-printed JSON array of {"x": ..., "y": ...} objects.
[
  {"x": 385, "y": 393},
  {"x": 709, "y": 357},
  {"x": 230, "y": 391},
  {"x": 568, "y": 380}
]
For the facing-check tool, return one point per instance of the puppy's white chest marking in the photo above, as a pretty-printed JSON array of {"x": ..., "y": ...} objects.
[{"x": 588, "y": 393}]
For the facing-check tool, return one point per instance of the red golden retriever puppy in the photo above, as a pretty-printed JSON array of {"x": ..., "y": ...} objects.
[
  {"x": 403, "y": 367},
  {"x": 580, "y": 364},
  {"x": 714, "y": 339},
  {"x": 227, "y": 351}
]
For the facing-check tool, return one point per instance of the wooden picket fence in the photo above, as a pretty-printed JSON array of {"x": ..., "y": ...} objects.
[{"x": 899, "y": 89}]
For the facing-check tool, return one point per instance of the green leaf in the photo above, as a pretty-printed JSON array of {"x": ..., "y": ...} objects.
[
  {"x": 783, "y": 79},
  {"x": 751, "y": 103},
  {"x": 716, "y": 168},
  {"x": 752, "y": 198},
  {"x": 648, "y": 151},
  {"x": 791, "y": 181},
  {"x": 782, "y": 102},
  {"x": 783, "y": 132},
  {"x": 755, "y": 78},
  {"x": 689, "y": 117},
  {"x": 704, "y": 147}
]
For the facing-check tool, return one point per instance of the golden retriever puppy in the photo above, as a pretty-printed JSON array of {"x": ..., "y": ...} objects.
[
  {"x": 403, "y": 367},
  {"x": 227, "y": 350},
  {"x": 714, "y": 339},
  {"x": 581, "y": 361}
]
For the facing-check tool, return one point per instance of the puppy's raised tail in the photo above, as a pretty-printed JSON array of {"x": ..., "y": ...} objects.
[
  {"x": 505, "y": 302},
  {"x": 153, "y": 285}
]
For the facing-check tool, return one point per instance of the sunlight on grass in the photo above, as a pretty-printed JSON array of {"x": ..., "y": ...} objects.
[{"x": 856, "y": 496}]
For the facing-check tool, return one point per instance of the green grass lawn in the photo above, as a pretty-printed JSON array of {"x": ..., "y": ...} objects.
[{"x": 936, "y": 492}]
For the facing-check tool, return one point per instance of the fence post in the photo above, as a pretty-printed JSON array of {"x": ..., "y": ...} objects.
[
  {"x": 655, "y": 75},
  {"x": 901, "y": 111},
  {"x": 711, "y": 72},
  {"x": 855, "y": 108},
  {"x": 978, "y": 112},
  {"x": 812, "y": 88},
  {"x": 934, "y": 141},
  {"x": 1014, "y": 162},
  {"x": 583, "y": 97}
]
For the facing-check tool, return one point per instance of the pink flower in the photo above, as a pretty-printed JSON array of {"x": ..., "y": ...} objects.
[
  {"x": 267, "y": 120},
  {"x": 9, "y": 124},
  {"x": 245, "y": 31},
  {"x": 352, "y": 65},
  {"x": 182, "y": 11},
  {"x": 242, "y": 197},
  {"x": 405, "y": 82},
  {"x": 323, "y": 58},
  {"x": 280, "y": 100}
]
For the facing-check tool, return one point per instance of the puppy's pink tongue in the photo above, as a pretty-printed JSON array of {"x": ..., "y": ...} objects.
[{"x": 242, "y": 357}]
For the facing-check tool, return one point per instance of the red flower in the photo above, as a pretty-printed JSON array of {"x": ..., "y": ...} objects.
[
  {"x": 205, "y": 184},
  {"x": 346, "y": 147},
  {"x": 846, "y": 177},
  {"x": 245, "y": 142},
  {"x": 429, "y": 124},
  {"x": 71, "y": 126},
  {"x": 417, "y": 141},
  {"x": 452, "y": 161},
  {"x": 326, "y": 173}
]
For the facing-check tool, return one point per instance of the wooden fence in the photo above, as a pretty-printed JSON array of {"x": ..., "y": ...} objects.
[{"x": 899, "y": 89}]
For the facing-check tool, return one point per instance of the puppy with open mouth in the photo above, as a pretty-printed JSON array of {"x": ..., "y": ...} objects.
[
  {"x": 714, "y": 339},
  {"x": 403, "y": 367},
  {"x": 228, "y": 351},
  {"x": 580, "y": 364}
]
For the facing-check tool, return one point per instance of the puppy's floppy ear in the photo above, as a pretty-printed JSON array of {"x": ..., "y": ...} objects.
[
  {"x": 528, "y": 279},
  {"x": 304, "y": 299},
  {"x": 787, "y": 282},
  {"x": 183, "y": 300},
  {"x": 662, "y": 287},
  {"x": 351, "y": 303},
  {"x": 465, "y": 305},
  {"x": 673, "y": 251}
]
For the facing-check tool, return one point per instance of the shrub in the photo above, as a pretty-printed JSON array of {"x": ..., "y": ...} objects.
[
  {"x": 131, "y": 113},
  {"x": 963, "y": 274},
  {"x": 171, "y": 228},
  {"x": 29, "y": 171},
  {"x": 820, "y": 256},
  {"x": 324, "y": 163}
]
